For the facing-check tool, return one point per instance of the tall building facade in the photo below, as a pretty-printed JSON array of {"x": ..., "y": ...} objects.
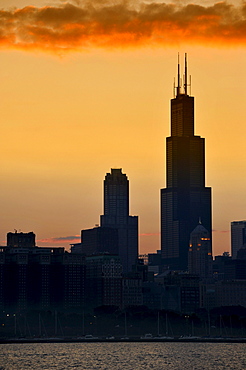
[
  {"x": 116, "y": 215},
  {"x": 185, "y": 199},
  {"x": 238, "y": 236},
  {"x": 104, "y": 280},
  {"x": 200, "y": 253}
]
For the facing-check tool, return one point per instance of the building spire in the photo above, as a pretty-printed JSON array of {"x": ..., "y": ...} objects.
[
  {"x": 178, "y": 87},
  {"x": 185, "y": 76},
  {"x": 182, "y": 85}
]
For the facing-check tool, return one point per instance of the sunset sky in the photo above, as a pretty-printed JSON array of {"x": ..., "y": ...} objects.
[{"x": 85, "y": 86}]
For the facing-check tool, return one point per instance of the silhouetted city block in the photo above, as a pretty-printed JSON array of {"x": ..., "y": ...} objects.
[
  {"x": 104, "y": 273},
  {"x": 41, "y": 278}
]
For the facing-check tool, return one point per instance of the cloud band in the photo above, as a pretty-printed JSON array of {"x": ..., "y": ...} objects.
[{"x": 71, "y": 27}]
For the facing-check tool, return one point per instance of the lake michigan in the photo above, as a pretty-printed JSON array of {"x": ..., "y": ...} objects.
[{"x": 127, "y": 356}]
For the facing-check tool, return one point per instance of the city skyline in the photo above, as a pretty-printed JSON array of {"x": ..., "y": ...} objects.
[{"x": 64, "y": 116}]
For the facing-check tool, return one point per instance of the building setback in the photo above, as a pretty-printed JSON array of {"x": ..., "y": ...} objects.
[{"x": 185, "y": 199}]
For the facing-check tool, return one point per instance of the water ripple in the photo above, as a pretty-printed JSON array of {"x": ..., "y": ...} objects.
[{"x": 123, "y": 356}]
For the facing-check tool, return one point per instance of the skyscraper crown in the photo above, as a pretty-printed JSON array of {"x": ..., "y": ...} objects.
[{"x": 182, "y": 84}]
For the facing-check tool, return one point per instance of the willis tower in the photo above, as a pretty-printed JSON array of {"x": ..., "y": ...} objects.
[{"x": 185, "y": 200}]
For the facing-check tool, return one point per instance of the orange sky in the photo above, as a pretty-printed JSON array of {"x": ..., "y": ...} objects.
[{"x": 87, "y": 88}]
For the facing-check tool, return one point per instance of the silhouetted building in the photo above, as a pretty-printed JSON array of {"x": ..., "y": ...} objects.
[
  {"x": 185, "y": 199},
  {"x": 238, "y": 236},
  {"x": 154, "y": 295},
  {"x": 74, "y": 270},
  {"x": 241, "y": 254},
  {"x": 226, "y": 268},
  {"x": 20, "y": 240},
  {"x": 223, "y": 293},
  {"x": 132, "y": 294},
  {"x": 181, "y": 292},
  {"x": 190, "y": 293},
  {"x": 230, "y": 293},
  {"x": 207, "y": 295},
  {"x": 235, "y": 269},
  {"x": 41, "y": 278},
  {"x": 103, "y": 280},
  {"x": 219, "y": 263},
  {"x": 99, "y": 240},
  {"x": 116, "y": 216},
  {"x": 200, "y": 253},
  {"x": 76, "y": 248},
  {"x": 155, "y": 262}
]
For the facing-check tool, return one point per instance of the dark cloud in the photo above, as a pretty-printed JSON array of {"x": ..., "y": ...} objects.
[{"x": 81, "y": 25}]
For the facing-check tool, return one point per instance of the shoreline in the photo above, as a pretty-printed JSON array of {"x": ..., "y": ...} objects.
[{"x": 122, "y": 340}]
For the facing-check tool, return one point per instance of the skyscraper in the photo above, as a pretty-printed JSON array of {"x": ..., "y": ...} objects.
[
  {"x": 185, "y": 199},
  {"x": 116, "y": 215},
  {"x": 238, "y": 236},
  {"x": 200, "y": 255}
]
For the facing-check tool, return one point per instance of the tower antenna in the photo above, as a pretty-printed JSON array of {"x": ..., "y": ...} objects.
[
  {"x": 185, "y": 76},
  {"x": 178, "y": 87}
]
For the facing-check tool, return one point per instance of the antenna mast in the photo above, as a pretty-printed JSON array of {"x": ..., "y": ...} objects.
[
  {"x": 184, "y": 82},
  {"x": 185, "y": 76},
  {"x": 178, "y": 87}
]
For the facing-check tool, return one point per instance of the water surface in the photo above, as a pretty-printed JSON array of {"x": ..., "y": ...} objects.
[{"x": 126, "y": 356}]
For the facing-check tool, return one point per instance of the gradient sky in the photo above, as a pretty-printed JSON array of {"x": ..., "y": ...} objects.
[{"x": 85, "y": 86}]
